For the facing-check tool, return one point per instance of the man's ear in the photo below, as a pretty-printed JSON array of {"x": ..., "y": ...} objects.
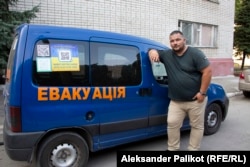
[{"x": 185, "y": 40}]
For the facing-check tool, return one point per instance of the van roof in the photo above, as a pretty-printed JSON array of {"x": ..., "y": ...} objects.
[{"x": 74, "y": 31}]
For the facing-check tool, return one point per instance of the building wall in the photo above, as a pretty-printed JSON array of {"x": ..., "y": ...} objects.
[{"x": 153, "y": 19}]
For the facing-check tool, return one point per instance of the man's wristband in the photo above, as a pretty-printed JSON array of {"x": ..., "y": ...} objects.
[{"x": 202, "y": 93}]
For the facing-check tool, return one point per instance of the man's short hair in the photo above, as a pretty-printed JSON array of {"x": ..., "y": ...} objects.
[{"x": 176, "y": 32}]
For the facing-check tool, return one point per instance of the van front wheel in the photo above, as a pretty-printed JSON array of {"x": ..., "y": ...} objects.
[
  {"x": 213, "y": 119},
  {"x": 63, "y": 150}
]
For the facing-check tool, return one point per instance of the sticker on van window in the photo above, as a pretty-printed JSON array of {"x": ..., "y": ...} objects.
[
  {"x": 43, "y": 64},
  {"x": 43, "y": 51},
  {"x": 64, "y": 57}
]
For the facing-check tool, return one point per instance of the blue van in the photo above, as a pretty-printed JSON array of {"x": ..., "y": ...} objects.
[{"x": 71, "y": 91}]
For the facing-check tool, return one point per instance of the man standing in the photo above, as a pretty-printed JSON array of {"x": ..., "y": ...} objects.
[{"x": 189, "y": 74}]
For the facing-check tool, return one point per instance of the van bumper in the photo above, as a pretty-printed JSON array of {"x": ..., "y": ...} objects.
[
  {"x": 226, "y": 106},
  {"x": 19, "y": 146}
]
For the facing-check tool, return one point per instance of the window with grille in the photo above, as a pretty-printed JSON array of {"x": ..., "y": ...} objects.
[{"x": 199, "y": 34}]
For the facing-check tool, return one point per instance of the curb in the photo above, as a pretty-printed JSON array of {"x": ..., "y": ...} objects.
[
  {"x": 1, "y": 129},
  {"x": 232, "y": 94},
  {"x": 1, "y": 135}
]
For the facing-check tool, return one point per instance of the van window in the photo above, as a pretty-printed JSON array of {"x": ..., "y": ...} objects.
[
  {"x": 61, "y": 63},
  {"x": 11, "y": 58},
  {"x": 159, "y": 72},
  {"x": 115, "y": 65}
]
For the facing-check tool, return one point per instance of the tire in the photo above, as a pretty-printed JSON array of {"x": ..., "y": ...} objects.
[
  {"x": 246, "y": 94},
  {"x": 213, "y": 118},
  {"x": 66, "y": 149}
]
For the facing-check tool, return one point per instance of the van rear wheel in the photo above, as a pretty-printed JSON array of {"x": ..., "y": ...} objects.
[{"x": 63, "y": 150}]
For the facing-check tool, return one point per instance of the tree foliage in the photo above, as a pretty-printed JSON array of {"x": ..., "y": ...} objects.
[
  {"x": 242, "y": 28},
  {"x": 9, "y": 20}
]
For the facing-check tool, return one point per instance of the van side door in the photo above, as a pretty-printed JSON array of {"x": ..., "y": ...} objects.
[
  {"x": 160, "y": 101},
  {"x": 119, "y": 97}
]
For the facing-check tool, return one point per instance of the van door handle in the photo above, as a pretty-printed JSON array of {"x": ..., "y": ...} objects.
[{"x": 145, "y": 91}]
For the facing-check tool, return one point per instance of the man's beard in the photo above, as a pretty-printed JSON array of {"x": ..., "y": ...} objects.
[{"x": 179, "y": 49}]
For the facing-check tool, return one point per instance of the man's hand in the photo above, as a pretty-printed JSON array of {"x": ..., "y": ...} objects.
[
  {"x": 199, "y": 97},
  {"x": 153, "y": 55}
]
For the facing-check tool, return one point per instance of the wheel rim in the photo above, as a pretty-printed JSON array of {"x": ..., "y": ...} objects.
[
  {"x": 63, "y": 155},
  {"x": 212, "y": 119}
]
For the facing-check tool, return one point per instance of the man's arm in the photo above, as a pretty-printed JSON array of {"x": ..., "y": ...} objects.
[
  {"x": 206, "y": 78},
  {"x": 153, "y": 55},
  {"x": 205, "y": 82}
]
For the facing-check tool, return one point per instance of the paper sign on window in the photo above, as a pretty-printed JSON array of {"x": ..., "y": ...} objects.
[
  {"x": 43, "y": 51},
  {"x": 158, "y": 69},
  {"x": 43, "y": 64},
  {"x": 64, "y": 57}
]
